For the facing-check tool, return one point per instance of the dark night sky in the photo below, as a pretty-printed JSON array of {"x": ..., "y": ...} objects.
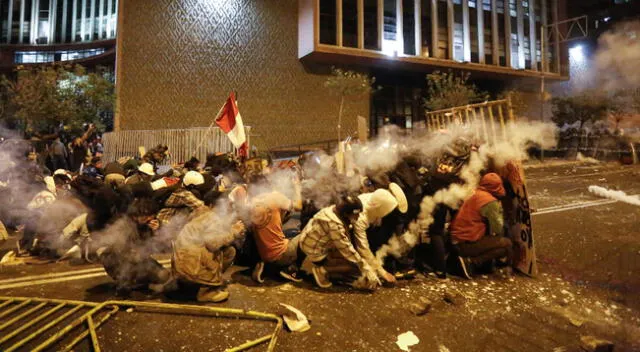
[{"x": 602, "y": 8}]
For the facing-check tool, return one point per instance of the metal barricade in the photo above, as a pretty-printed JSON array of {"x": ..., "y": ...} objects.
[
  {"x": 489, "y": 119},
  {"x": 19, "y": 316}
]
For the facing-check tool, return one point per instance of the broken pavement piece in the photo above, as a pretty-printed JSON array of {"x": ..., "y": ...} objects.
[
  {"x": 297, "y": 322},
  {"x": 454, "y": 297},
  {"x": 407, "y": 340},
  {"x": 592, "y": 344}
]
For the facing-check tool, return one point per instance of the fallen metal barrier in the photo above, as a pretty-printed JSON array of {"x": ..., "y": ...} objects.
[{"x": 24, "y": 313}]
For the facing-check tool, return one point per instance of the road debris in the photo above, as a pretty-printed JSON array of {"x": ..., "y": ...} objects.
[
  {"x": 454, "y": 297},
  {"x": 593, "y": 344},
  {"x": 297, "y": 322},
  {"x": 407, "y": 340}
]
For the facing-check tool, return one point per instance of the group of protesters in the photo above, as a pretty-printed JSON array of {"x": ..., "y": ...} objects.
[{"x": 209, "y": 215}]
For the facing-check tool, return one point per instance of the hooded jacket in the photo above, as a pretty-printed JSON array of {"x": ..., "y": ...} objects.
[{"x": 469, "y": 224}]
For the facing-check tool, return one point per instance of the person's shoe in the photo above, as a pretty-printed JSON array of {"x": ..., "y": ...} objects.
[
  {"x": 466, "y": 266},
  {"x": 206, "y": 294},
  {"x": 258, "y": 270},
  {"x": 320, "y": 276},
  {"x": 291, "y": 274},
  {"x": 441, "y": 274}
]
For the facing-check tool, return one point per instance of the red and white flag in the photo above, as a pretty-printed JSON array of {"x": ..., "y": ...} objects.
[{"x": 230, "y": 122}]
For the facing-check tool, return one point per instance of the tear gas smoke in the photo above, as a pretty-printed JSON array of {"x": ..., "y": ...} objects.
[
  {"x": 519, "y": 137},
  {"x": 617, "y": 57},
  {"x": 615, "y": 195}
]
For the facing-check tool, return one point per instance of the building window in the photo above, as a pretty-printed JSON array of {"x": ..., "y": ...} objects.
[
  {"x": 328, "y": 22},
  {"x": 371, "y": 25},
  {"x": 32, "y": 57}
]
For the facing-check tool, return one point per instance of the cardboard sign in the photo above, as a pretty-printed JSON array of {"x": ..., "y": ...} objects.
[{"x": 517, "y": 215}]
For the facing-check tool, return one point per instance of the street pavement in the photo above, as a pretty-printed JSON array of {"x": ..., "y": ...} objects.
[{"x": 589, "y": 258}]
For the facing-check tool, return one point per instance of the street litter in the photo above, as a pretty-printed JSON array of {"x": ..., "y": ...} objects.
[
  {"x": 297, "y": 322},
  {"x": 407, "y": 340}
]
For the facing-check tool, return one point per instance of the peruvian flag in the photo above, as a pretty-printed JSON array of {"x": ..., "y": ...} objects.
[{"x": 230, "y": 122}]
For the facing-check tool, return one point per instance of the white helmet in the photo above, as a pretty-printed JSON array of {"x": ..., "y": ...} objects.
[
  {"x": 62, "y": 172},
  {"x": 146, "y": 168},
  {"x": 193, "y": 178}
]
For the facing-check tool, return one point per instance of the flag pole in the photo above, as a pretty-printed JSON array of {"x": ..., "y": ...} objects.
[{"x": 204, "y": 138}]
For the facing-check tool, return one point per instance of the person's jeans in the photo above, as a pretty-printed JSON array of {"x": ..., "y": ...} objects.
[
  {"x": 290, "y": 256},
  {"x": 485, "y": 249}
]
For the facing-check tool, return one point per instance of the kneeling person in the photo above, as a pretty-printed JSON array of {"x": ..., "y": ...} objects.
[
  {"x": 477, "y": 243},
  {"x": 202, "y": 252},
  {"x": 331, "y": 229},
  {"x": 124, "y": 250}
]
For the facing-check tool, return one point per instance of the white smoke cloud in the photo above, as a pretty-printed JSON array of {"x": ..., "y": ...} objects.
[
  {"x": 519, "y": 136},
  {"x": 617, "y": 57},
  {"x": 615, "y": 195}
]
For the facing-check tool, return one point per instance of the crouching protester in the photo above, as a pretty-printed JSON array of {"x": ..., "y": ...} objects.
[
  {"x": 377, "y": 205},
  {"x": 274, "y": 249},
  {"x": 477, "y": 230},
  {"x": 328, "y": 234},
  {"x": 202, "y": 252},
  {"x": 125, "y": 250}
]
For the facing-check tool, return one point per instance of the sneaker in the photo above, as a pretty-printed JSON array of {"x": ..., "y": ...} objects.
[
  {"x": 465, "y": 265},
  {"x": 291, "y": 274},
  {"x": 257, "y": 272},
  {"x": 207, "y": 294},
  {"x": 320, "y": 276}
]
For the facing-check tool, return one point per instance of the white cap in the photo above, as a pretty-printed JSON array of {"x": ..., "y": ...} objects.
[
  {"x": 146, "y": 168},
  {"x": 193, "y": 178},
  {"x": 62, "y": 172}
]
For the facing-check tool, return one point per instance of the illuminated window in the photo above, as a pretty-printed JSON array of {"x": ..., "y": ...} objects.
[{"x": 32, "y": 57}]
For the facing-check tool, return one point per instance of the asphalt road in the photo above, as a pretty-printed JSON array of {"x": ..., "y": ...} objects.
[{"x": 589, "y": 258}]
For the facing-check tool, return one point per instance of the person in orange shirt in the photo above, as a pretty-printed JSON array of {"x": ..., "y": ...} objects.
[
  {"x": 274, "y": 248},
  {"x": 478, "y": 228}
]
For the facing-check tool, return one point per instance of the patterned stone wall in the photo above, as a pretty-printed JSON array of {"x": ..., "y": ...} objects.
[{"x": 179, "y": 59}]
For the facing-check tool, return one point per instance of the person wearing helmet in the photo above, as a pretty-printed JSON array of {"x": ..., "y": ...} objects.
[
  {"x": 145, "y": 174},
  {"x": 184, "y": 199},
  {"x": 331, "y": 229},
  {"x": 477, "y": 230},
  {"x": 377, "y": 205}
]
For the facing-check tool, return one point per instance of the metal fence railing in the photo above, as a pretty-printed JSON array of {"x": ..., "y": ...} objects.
[
  {"x": 489, "y": 118},
  {"x": 37, "y": 324},
  {"x": 182, "y": 143}
]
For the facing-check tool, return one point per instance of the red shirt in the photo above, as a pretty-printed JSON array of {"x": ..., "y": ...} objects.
[{"x": 469, "y": 225}]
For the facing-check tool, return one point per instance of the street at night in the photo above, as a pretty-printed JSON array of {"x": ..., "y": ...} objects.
[
  {"x": 320, "y": 175},
  {"x": 588, "y": 255}
]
